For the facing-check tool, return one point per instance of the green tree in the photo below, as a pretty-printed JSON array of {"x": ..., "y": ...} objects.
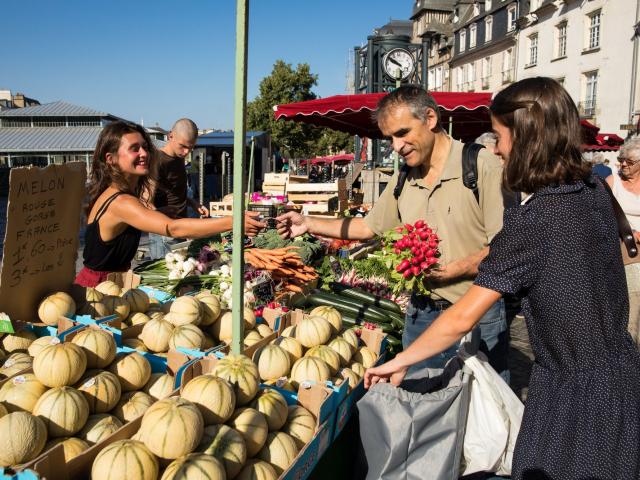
[{"x": 288, "y": 85}]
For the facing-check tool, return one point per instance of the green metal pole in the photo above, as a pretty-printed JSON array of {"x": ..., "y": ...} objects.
[
  {"x": 239, "y": 156},
  {"x": 250, "y": 176}
]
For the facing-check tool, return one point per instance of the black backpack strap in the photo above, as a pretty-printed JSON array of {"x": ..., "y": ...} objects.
[
  {"x": 402, "y": 178},
  {"x": 470, "y": 167}
]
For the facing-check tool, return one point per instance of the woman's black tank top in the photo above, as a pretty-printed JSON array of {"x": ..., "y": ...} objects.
[{"x": 114, "y": 255}]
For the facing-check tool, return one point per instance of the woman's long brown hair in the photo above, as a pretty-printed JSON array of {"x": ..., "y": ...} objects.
[
  {"x": 103, "y": 174},
  {"x": 546, "y": 135}
]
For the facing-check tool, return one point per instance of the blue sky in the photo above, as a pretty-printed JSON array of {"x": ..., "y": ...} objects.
[{"x": 164, "y": 59}]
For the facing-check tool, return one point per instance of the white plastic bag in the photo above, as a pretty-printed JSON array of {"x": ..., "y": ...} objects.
[{"x": 493, "y": 421}]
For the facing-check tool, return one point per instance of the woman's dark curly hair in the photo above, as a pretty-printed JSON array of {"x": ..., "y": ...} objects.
[
  {"x": 103, "y": 174},
  {"x": 546, "y": 135}
]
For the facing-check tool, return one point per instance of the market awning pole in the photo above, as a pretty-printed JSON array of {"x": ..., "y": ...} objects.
[
  {"x": 250, "y": 175},
  {"x": 239, "y": 156}
]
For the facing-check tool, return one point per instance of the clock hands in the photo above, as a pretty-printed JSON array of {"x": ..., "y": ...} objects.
[{"x": 393, "y": 60}]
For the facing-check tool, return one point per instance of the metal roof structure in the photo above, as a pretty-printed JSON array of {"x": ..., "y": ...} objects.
[
  {"x": 52, "y": 139},
  {"x": 225, "y": 139},
  {"x": 54, "y": 109}
]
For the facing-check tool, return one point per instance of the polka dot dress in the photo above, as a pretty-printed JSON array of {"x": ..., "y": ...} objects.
[{"x": 559, "y": 252}]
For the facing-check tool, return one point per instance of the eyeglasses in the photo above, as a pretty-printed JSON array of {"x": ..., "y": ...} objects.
[{"x": 627, "y": 160}]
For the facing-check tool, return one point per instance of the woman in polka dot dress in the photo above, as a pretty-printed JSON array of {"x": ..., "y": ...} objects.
[{"x": 559, "y": 252}]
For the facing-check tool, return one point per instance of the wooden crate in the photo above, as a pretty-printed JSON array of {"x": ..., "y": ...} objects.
[
  {"x": 276, "y": 179},
  {"x": 319, "y": 198},
  {"x": 220, "y": 209}
]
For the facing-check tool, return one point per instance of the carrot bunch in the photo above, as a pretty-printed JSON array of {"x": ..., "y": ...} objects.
[{"x": 283, "y": 264}]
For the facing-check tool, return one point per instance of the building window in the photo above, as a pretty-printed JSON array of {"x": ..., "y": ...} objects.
[
  {"x": 511, "y": 17},
  {"x": 459, "y": 78},
  {"x": 486, "y": 72},
  {"x": 594, "y": 29},
  {"x": 438, "y": 77},
  {"x": 507, "y": 62},
  {"x": 476, "y": 9},
  {"x": 431, "y": 80},
  {"x": 487, "y": 5},
  {"x": 488, "y": 29},
  {"x": 463, "y": 39},
  {"x": 533, "y": 49},
  {"x": 588, "y": 107},
  {"x": 561, "y": 40},
  {"x": 472, "y": 36},
  {"x": 534, "y": 5}
]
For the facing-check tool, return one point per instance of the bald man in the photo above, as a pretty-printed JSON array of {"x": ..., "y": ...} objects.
[{"x": 171, "y": 188}]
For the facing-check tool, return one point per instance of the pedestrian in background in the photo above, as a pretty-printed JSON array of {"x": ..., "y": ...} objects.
[
  {"x": 625, "y": 185},
  {"x": 560, "y": 252},
  {"x": 170, "y": 189}
]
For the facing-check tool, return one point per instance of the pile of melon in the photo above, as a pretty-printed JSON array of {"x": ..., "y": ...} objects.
[
  {"x": 316, "y": 350},
  {"x": 223, "y": 425},
  {"x": 77, "y": 393}
]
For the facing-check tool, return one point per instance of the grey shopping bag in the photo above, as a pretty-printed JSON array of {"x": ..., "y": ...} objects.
[{"x": 416, "y": 431}]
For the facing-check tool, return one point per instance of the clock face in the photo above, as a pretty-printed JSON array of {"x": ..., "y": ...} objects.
[{"x": 398, "y": 60}]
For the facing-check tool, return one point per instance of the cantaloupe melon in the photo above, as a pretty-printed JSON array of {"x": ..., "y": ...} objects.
[
  {"x": 242, "y": 375},
  {"x": 137, "y": 318},
  {"x": 358, "y": 369},
  {"x": 209, "y": 341},
  {"x": 280, "y": 450},
  {"x": 125, "y": 460},
  {"x": 98, "y": 345},
  {"x": 60, "y": 364},
  {"x": 251, "y": 338},
  {"x": 21, "y": 393},
  {"x": 15, "y": 363},
  {"x": 330, "y": 357},
  {"x": 348, "y": 374},
  {"x": 92, "y": 295},
  {"x": 3, "y": 410},
  {"x": 282, "y": 382},
  {"x": 18, "y": 341},
  {"x": 301, "y": 425},
  {"x": 72, "y": 446},
  {"x": 64, "y": 411},
  {"x": 257, "y": 470},
  {"x": 253, "y": 427},
  {"x": 22, "y": 438},
  {"x": 108, "y": 288},
  {"x": 210, "y": 308},
  {"x": 99, "y": 427},
  {"x": 225, "y": 444},
  {"x": 137, "y": 299},
  {"x": 54, "y": 306},
  {"x": 313, "y": 331},
  {"x": 95, "y": 309},
  {"x": 160, "y": 385},
  {"x": 101, "y": 390},
  {"x": 135, "y": 343},
  {"x": 263, "y": 329},
  {"x": 156, "y": 334},
  {"x": 292, "y": 346},
  {"x": 155, "y": 314},
  {"x": 132, "y": 405},
  {"x": 273, "y": 362},
  {"x": 222, "y": 329},
  {"x": 213, "y": 396},
  {"x": 309, "y": 369},
  {"x": 365, "y": 356},
  {"x": 331, "y": 315},
  {"x": 185, "y": 310},
  {"x": 172, "y": 427},
  {"x": 343, "y": 349},
  {"x": 117, "y": 305},
  {"x": 195, "y": 466},
  {"x": 352, "y": 339},
  {"x": 186, "y": 336},
  {"x": 273, "y": 406},
  {"x": 40, "y": 343},
  {"x": 289, "y": 331},
  {"x": 132, "y": 369}
]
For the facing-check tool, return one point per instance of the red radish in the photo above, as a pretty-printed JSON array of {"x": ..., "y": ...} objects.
[
  {"x": 407, "y": 274},
  {"x": 425, "y": 265},
  {"x": 409, "y": 227},
  {"x": 419, "y": 224},
  {"x": 415, "y": 270},
  {"x": 415, "y": 261},
  {"x": 403, "y": 265}
]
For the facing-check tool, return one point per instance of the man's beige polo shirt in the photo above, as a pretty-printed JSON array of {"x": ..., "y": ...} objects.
[{"x": 450, "y": 209}]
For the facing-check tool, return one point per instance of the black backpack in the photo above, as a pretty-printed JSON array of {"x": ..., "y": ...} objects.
[{"x": 469, "y": 171}]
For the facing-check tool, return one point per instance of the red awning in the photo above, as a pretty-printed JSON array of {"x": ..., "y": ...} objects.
[{"x": 469, "y": 113}]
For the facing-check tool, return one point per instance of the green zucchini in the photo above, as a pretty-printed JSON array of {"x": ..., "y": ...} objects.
[
  {"x": 366, "y": 297},
  {"x": 356, "y": 309}
]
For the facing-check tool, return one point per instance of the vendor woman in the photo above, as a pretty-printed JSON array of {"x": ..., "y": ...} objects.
[{"x": 119, "y": 208}]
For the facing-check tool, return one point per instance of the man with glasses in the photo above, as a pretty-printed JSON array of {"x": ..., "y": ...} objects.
[{"x": 171, "y": 190}]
